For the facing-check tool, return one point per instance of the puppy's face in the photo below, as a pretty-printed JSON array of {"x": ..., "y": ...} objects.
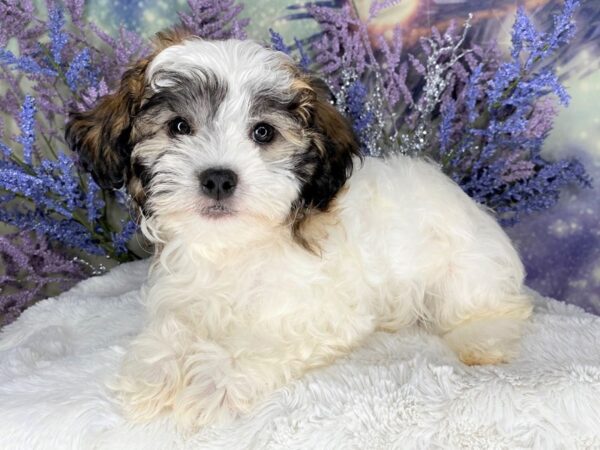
[{"x": 217, "y": 140}]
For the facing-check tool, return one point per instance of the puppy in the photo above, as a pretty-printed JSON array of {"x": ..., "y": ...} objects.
[{"x": 277, "y": 248}]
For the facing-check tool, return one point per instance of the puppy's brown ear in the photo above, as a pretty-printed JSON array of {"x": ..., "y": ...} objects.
[
  {"x": 101, "y": 136},
  {"x": 334, "y": 146}
]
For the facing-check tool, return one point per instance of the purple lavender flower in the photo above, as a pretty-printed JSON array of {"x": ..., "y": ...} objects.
[
  {"x": 27, "y": 124},
  {"x": 214, "y": 19},
  {"x": 93, "y": 202},
  {"x": 127, "y": 48},
  {"x": 31, "y": 187},
  {"x": 17, "y": 20},
  {"x": 25, "y": 64},
  {"x": 59, "y": 180},
  {"x": 58, "y": 39},
  {"x": 79, "y": 64},
  {"x": 541, "y": 119},
  {"x": 305, "y": 60},
  {"x": 473, "y": 92},
  {"x": 484, "y": 120},
  {"x": 68, "y": 233},
  {"x": 394, "y": 70},
  {"x": 379, "y": 5},
  {"x": 525, "y": 37},
  {"x": 447, "y": 125},
  {"x": 355, "y": 103},
  {"x": 51, "y": 196},
  {"x": 516, "y": 169},
  {"x": 519, "y": 118},
  {"x": 277, "y": 42},
  {"x": 30, "y": 267},
  {"x": 342, "y": 42},
  {"x": 121, "y": 239},
  {"x": 75, "y": 9}
]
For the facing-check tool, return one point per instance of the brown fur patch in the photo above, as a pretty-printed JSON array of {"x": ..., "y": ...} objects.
[
  {"x": 334, "y": 147},
  {"x": 312, "y": 228},
  {"x": 101, "y": 135}
]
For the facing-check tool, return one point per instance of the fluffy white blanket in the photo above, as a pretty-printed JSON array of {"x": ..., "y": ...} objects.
[{"x": 403, "y": 390}]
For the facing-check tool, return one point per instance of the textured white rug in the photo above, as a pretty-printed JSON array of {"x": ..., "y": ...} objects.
[{"x": 404, "y": 390}]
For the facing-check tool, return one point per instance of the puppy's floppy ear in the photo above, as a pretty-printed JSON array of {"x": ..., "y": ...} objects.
[
  {"x": 101, "y": 136},
  {"x": 334, "y": 145}
]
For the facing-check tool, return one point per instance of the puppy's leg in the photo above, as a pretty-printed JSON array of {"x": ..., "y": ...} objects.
[
  {"x": 150, "y": 376},
  {"x": 490, "y": 340},
  {"x": 225, "y": 379},
  {"x": 480, "y": 311},
  {"x": 220, "y": 384}
]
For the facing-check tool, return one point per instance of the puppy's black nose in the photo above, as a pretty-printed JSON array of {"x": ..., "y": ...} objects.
[{"x": 218, "y": 183}]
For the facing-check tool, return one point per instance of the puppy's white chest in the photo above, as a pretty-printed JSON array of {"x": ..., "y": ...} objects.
[{"x": 272, "y": 286}]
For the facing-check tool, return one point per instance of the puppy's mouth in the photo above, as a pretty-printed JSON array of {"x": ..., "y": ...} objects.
[{"x": 217, "y": 210}]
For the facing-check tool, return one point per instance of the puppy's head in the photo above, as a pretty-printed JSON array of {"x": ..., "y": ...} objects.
[{"x": 217, "y": 140}]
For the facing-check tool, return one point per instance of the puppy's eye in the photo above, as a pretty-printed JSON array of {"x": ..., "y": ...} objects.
[
  {"x": 179, "y": 126},
  {"x": 263, "y": 133}
]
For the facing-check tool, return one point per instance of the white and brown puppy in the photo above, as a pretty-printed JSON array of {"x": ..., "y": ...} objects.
[{"x": 274, "y": 256}]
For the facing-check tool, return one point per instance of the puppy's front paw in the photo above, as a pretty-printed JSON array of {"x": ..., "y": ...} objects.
[
  {"x": 207, "y": 403},
  {"x": 215, "y": 390},
  {"x": 147, "y": 388}
]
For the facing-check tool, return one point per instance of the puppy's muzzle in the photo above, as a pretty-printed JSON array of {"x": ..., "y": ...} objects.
[{"x": 218, "y": 183}]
